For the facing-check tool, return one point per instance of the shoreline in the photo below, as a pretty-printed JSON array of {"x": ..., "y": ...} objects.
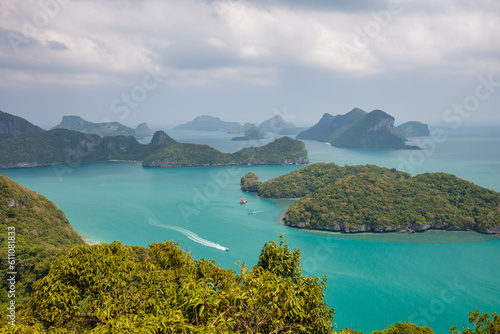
[{"x": 88, "y": 241}]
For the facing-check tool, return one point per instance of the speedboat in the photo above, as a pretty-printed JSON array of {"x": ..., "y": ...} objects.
[{"x": 243, "y": 201}]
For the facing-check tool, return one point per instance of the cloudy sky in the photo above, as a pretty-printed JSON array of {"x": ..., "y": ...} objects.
[{"x": 165, "y": 62}]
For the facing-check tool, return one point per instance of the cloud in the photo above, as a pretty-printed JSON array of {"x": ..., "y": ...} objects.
[{"x": 204, "y": 42}]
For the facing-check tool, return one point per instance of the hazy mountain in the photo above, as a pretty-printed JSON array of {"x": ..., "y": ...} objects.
[
  {"x": 330, "y": 127},
  {"x": 357, "y": 129},
  {"x": 275, "y": 125},
  {"x": 241, "y": 129},
  {"x": 413, "y": 129},
  {"x": 208, "y": 123},
  {"x": 12, "y": 126},
  {"x": 76, "y": 123}
]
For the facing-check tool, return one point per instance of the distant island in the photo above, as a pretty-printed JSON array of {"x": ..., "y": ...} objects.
[
  {"x": 241, "y": 129},
  {"x": 376, "y": 199},
  {"x": 208, "y": 123},
  {"x": 22, "y": 144},
  {"x": 282, "y": 151},
  {"x": 413, "y": 129},
  {"x": 274, "y": 125},
  {"x": 76, "y": 123},
  {"x": 357, "y": 129}
]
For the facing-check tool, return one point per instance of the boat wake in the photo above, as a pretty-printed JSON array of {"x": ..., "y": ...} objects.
[{"x": 191, "y": 235}]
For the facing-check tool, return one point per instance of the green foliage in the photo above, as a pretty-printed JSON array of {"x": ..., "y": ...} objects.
[
  {"x": 284, "y": 150},
  {"x": 42, "y": 234},
  {"x": 250, "y": 182},
  {"x": 383, "y": 202},
  {"x": 405, "y": 328},
  {"x": 61, "y": 146},
  {"x": 309, "y": 179},
  {"x": 484, "y": 324},
  {"x": 107, "y": 288}
]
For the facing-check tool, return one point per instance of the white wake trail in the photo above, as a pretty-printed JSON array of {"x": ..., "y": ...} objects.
[{"x": 191, "y": 235}]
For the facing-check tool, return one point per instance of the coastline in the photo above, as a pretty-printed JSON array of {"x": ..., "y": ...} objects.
[{"x": 88, "y": 241}]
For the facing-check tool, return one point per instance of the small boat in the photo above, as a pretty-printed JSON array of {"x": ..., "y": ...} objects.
[
  {"x": 250, "y": 213},
  {"x": 243, "y": 201},
  {"x": 226, "y": 249}
]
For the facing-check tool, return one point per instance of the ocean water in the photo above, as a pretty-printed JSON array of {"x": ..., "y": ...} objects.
[{"x": 374, "y": 280}]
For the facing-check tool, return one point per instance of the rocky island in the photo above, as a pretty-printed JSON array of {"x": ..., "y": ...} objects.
[
  {"x": 357, "y": 129},
  {"x": 376, "y": 199}
]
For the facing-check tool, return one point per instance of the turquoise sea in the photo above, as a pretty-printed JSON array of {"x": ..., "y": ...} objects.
[{"x": 374, "y": 280}]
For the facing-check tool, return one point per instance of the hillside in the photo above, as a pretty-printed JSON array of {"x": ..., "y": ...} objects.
[
  {"x": 357, "y": 129},
  {"x": 413, "y": 129},
  {"x": 282, "y": 151},
  {"x": 42, "y": 234},
  {"x": 13, "y": 126},
  {"x": 376, "y": 199},
  {"x": 208, "y": 123},
  {"x": 330, "y": 127},
  {"x": 61, "y": 146},
  {"x": 76, "y": 123},
  {"x": 375, "y": 130}
]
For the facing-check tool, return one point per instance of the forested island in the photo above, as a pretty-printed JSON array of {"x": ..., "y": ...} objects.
[
  {"x": 65, "y": 286},
  {"x": 23, "y": 144},
  {"x": 282, "y": 151},
  {"x": 376, "y": 199}
]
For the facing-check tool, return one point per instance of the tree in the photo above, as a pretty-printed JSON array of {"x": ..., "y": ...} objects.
[
  {"x": 484, "y": 323},
  {"x": 113, "y": 288}
]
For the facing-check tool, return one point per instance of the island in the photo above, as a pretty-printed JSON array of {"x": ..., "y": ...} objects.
[
  {"x": 275, "y": 125},
  {"x": 76, "y": 123},
  {"x": 358, "y": 129},
  {"x": 413, "y": 129},
  {"x": 377, "y": 199},
  {"x": 282, "y": 151},
  {"x": 34, "y": 147},
  {"x": 208, "y": 123}
]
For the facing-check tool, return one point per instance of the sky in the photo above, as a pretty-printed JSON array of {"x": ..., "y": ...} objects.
[{"x": 166, "y": 62}]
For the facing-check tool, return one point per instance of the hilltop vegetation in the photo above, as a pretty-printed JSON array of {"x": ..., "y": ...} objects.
[
  {"x": 375, "y": 199},
  {"x": 42, "y": 234},
  {"x": 107, "y": 288},
  {"x": 282, "y": 151}
]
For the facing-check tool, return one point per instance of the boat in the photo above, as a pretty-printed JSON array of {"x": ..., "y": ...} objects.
[{"x": 243, "y": 201}]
